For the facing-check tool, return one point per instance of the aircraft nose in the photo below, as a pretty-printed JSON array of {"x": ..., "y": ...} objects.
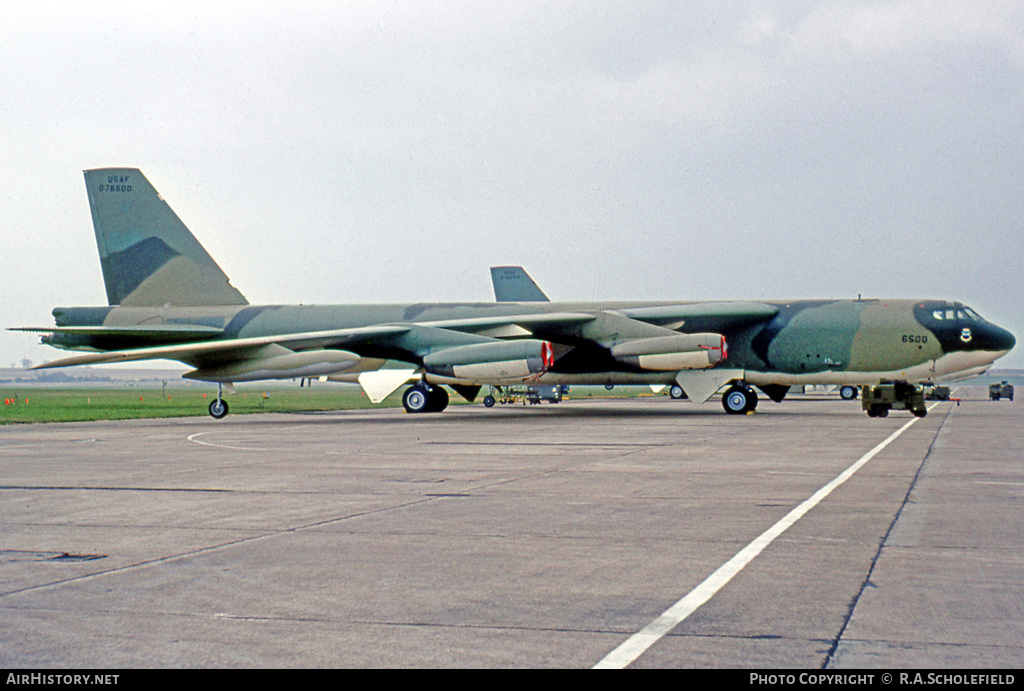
[
  {"x": 998, "y": 338},
  {"x": 1005, "y": 339}
]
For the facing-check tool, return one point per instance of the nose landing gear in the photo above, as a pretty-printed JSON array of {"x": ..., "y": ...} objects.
[{"x": 219, "y": 407}]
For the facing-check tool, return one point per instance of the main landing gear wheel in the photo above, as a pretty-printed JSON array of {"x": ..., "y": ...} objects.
[
  {"x": 218, "y": 408},
  {"x": 676, "y": 392},
  {"x": 424, "y": 398},
  {"x": 739, "y": 400},
  {"x": 438, "y": 399},
  {"x": 848, "y": 392}
]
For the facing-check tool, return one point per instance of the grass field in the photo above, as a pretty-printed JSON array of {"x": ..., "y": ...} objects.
[
  {"x": 82, "y": 404},
  {"x": 23, "y": 404}
]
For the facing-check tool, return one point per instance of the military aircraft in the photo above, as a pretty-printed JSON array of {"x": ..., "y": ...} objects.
[{"x": 168, "y": 299}]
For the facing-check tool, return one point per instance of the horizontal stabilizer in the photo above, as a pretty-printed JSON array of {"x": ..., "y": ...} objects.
[{"x": 155, "y": 332}]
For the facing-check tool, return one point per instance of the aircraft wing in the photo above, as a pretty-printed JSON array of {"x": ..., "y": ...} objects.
[
  {"x": 480, "y": 349},
  {"x": 704, "y": 316},
  {"x": 603, "y": 328},
  {"x": 420, "y": 338},
  {"x": 228, "y": 349},
  {"x": 515, "y": 326}
]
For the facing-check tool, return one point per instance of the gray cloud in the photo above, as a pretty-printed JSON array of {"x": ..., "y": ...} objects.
[{"x": 336, "y": 152}]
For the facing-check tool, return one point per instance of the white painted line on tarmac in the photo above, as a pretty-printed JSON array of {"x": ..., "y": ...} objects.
[
  {"x": 195, "y": 440},
  {"x": 637, "y": 644}
]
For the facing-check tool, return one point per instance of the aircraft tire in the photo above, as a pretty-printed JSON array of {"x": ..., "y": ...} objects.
[
  {"x": 676, "y": 392},
  {"x": 438, "y": 399},
  {"x": 489, "y": 401},
  {"x": 848, "y": 392},
  {"x": 735, "y": 401},
  {"x": 218, "y": 408},
  {"x": 751, "y": 400},
  {"x": 416, "y": 400},
  {"x": 739, "y": 400}
]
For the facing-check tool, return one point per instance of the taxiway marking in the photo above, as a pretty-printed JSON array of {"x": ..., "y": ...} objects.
[
  {"x": 194, "y": 439},
  {"x": 637, "y": 644}
]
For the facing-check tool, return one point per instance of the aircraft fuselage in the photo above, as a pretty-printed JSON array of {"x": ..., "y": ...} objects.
[{"x": 806, "y": 342}]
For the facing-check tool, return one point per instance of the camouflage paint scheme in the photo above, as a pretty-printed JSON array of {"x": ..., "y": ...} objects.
[{"x": 169, "y": 299}]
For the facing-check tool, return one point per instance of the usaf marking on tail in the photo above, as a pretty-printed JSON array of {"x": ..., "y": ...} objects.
[{"x": 168, "y": 299}]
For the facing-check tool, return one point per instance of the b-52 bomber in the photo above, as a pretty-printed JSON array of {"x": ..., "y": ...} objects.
[{"x": 168, "y": 299}]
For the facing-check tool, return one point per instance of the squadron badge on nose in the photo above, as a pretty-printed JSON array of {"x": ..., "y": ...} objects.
[{"x": 965, "y": 335}]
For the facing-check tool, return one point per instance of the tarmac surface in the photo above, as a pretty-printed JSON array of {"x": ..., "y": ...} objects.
[{"x": 525, "y": 536}]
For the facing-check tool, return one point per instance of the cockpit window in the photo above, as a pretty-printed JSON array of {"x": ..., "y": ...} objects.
[{"x": 962, "y": 313}]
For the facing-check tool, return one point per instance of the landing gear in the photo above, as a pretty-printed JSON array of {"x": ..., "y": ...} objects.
[
  {"x": 848, "y": 392},
  {"x": 424, "y": 398},
  {"x": 676, "y": 392},
  {"x": 218, "y": 407},
  {"x": 739, "y": 399}
]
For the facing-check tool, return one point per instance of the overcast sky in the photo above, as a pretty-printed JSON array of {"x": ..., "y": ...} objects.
[{"x": 392, "y": 151}]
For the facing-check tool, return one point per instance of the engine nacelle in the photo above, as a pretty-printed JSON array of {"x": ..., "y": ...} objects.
[
  {"x": 492, "y": 362},
  {"x": 673, "y": 353},
  {"x": 313, "y": 363}
]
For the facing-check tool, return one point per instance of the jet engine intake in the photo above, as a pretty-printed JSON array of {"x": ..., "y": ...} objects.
[
  {"x": 313, "y": 363},
  {"x": 673, "y": 353},
  {"x": 489, "y": 362}
]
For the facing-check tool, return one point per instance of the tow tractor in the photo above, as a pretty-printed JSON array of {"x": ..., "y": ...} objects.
[
  {"x": 1003, "y": 390},
  {"x": 534, "y": 395},
  {"x": 878, "y": 399}
]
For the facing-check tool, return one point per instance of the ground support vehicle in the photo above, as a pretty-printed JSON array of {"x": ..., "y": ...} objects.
[
  {"x": 1001, "y": 390},
  {"x": 878, "y": 399},
  {"x": 935, "y": 392},
  {"x": 534, "y": 395}
]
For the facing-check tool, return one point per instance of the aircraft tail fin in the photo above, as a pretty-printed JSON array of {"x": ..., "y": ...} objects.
[
  {"x": 513, "y": 284},
  {"x": 149, "y": 257}
]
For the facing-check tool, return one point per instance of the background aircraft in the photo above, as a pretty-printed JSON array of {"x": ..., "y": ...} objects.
[
  {"x": 168, "y": 299},
  {"x": 513, "y": 284}
]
